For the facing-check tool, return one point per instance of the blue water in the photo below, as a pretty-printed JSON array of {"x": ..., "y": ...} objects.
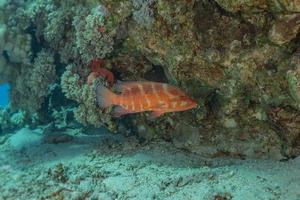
[{"x": 4, "y": 95}]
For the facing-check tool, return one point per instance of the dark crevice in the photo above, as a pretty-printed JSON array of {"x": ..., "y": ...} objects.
[
  {"x": 59, "y": 67},
  {"x": 213, "y": 104},
  {"x": 36, "y": 46},
  {"x": 6, "y": 56},
  {"x": 157, "y": 74}
]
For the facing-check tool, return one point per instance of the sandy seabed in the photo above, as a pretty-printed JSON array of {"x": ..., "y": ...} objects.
[{"x": 106, "y": 166}]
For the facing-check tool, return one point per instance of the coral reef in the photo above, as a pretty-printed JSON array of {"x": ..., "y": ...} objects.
[
  {"x": 93, "y": 38},
  {"x": 143, "y": 13},
  {"x": 285, "y": 29},
  {"x": 260, "y": 5},
  {"x": 11, "y": 120},
  {"x": 238, "y": 59},
  {"x": 33, "y": 85},
  {"x": 87, "y": 111}
]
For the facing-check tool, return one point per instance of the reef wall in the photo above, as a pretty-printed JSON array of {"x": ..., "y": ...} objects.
[{"x": 239, "y": 59}]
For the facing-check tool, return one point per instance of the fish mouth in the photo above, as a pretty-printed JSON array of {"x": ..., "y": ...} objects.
[
  {"x": 194, "y": 102},
  {"x": 194, "y": 105}
]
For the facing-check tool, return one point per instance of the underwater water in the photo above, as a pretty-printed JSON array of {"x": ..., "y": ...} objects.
[
  {"x": 4, "y": 93},
  {"x": 149, "y": 99}
]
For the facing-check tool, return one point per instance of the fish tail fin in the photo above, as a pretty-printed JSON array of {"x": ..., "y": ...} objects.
[{"x": 104, "y": 96}]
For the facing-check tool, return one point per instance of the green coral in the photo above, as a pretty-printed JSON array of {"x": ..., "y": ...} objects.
[
  {"x": 260, "y": 5},
  {"x": 87, "y": 111},
  {"x": 4, "y": 119},
  {"x": 30, "y": 88},
  {"x": 93, "y": 39},
  {"x": 293, "y": 78},
  {"x": 11, "y": 120}
]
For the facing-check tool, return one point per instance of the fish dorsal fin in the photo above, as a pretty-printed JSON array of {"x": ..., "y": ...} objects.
[
  {"x": 148, "y": 87},
  {"x": 176, "y": 91},
  {"x": 125, "y": 87}
]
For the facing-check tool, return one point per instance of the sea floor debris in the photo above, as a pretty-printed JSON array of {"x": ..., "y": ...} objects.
[{"x": 106, "y": 166}]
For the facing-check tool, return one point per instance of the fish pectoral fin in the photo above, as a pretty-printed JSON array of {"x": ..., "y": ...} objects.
[
  {"x": 155, "y": 114},
  {"x": 118, "y": 111}
]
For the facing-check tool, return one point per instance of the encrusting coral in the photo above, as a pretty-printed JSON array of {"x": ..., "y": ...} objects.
[
  {"x": 293, "y": 78},
  {"x": 93, "y": 39},
  {"x": 84, "y": 94},
  {"x": 33, "y": 85},
  {"x": 285, "y": 29}
]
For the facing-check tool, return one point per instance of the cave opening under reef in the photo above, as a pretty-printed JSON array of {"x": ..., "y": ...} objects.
[{"x": 150, "y": 99}]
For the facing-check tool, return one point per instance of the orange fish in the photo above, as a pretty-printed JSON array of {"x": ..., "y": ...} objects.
[{"x": 134, "y": 97}]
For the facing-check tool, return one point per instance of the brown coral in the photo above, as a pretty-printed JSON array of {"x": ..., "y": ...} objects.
[{"x": 285, "y": 29}]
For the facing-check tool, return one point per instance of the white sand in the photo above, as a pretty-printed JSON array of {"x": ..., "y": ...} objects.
[{"x": 112, "y": 167}]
